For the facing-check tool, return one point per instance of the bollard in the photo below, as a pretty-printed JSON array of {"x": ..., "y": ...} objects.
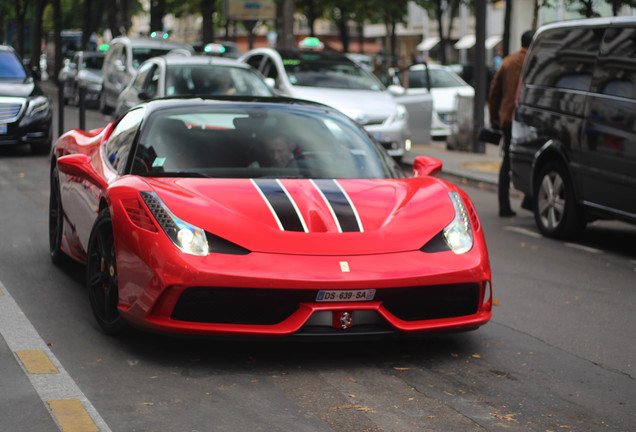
[{"x": 82, "y": 107}]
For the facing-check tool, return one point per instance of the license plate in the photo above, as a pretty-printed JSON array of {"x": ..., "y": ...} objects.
[
  {"x": 345, "y": 295},
  {"x": 3, "y": 128}
]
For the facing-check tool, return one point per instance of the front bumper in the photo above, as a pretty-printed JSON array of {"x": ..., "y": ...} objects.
[
  {"x": 273, "y": 295},
  {"x": 22, "y": 129}
]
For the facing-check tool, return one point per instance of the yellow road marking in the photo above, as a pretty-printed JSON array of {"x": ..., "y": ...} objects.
[
  {"x": 36, "y": 362},
  {"x": 71, "y": 416}
]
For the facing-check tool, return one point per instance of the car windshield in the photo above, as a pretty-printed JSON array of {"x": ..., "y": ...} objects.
[
  {"x": 93, "y": 62},
  {"x": 257, "y": 141},
  {"x": 315, "y": 71},
  {"x": 439, "y": 78},
  {"x": 10, "y": 67},
  {"x": 214, "y": 80}
]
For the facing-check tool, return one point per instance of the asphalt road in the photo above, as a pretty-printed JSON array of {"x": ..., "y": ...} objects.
[{"x": 558, "y": 354}]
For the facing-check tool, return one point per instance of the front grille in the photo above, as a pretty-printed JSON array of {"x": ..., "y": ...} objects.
[
  {"x": 9, "y": 110},
  {"x": 272, "y": 306}
]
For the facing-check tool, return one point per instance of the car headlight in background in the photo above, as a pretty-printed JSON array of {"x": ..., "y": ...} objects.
[
  {"x": 186, "y": 237},
  {"x": 459, "y": 234},
  {"x": 36, "y": 105},
  {"x": 399, "y": 114}
]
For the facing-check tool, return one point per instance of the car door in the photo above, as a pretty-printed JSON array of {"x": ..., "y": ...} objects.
[
  {"x": 111, "y": 64},
  {"x": 418, "y": 102},
  {"x": 608, "y": 171}
]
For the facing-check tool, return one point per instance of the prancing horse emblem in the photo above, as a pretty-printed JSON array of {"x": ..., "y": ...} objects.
[{"x": 342, "y": 320}]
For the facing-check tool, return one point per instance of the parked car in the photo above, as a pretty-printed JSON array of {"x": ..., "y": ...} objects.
[
  {"x": 573, "y": 150},
  {"x": 83, "y": 70},
  {"x": 178, "y": 75},
  {"x": 333, "y": 79},
  {"x": 188, "y": 223},
  {"x": 123, "y": 59},
  {"x": 26, "y": 116},
  {"x": 443, "y": 84}
]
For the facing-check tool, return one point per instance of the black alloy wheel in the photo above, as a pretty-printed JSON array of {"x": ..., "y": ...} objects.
[
  {"x": 101, "y": 276},
  {"x": 556, "y": 212},
  {"x": 56, "y": 221}
]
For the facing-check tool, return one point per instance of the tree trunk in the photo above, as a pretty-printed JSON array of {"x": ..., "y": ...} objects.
[
  {"x": 86, "y": 23},
  {"x": 36, "y": 42},
  {"x": 208, "y": 8},
  {"x": 157, "y": 11}
]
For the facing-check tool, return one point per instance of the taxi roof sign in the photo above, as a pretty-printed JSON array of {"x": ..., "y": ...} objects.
[{"x": 311, "y": 43}]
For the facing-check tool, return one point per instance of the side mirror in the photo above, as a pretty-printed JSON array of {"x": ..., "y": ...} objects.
[
  {"x": 426, "y": 166},
  {"x": 271, "y": 82},
  {"x": 119, "y": 65},
  {"x": 396, "y": 90},
  {"x": 80, "y": 165}
]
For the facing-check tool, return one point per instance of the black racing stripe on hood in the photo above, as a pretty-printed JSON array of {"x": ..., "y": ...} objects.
[
  {"x": 340, "y": 204},
  {"x": 281, "y": 204}
]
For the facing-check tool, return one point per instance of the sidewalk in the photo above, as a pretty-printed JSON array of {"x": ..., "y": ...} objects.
[{"x": 481, "y": 167}]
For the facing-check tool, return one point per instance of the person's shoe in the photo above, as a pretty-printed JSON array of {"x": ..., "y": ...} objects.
[{"x": 506, "y": 213}]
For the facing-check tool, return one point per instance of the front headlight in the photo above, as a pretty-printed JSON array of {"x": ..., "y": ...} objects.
[
  {"x": 186, "y": 237},
  {"x": 399, "y": 114},
  {"x": 36, "y": 105},
  {"x": 459, "y": 234}
]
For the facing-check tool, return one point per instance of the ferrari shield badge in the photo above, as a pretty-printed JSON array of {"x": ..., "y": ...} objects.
[
  {"x": 344, "y": 266},
  {"x": 342, "y": 319}
]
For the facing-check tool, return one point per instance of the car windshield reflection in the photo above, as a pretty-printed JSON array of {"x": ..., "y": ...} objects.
[{"x": 247, "y": 142}]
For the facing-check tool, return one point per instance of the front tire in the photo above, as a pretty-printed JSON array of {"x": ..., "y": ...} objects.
[
  {"x": 556, "y": 212},
  {"x": 101, "y": 276}
]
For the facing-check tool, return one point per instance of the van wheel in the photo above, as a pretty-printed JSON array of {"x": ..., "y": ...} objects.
[{"x": 556, "y": 212}]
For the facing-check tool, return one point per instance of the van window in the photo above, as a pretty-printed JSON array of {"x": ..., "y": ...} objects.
[
  {"x": 564, "y": 58},
  {"x": 616, "y": 72}
]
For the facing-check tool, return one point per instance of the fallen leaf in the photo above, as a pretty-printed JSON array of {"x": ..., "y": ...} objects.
[
  {"x": 476, "y": 356},
  {"x": 400, "y": 368},
  {"x": 495, "y": 302}
]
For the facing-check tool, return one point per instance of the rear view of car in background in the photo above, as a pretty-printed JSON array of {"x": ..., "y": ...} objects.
[
  {"x": 573, "y": 150},
  {"x": 25, "y": 111}
]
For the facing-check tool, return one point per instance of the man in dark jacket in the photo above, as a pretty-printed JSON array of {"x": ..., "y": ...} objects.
[{"x": 502, "y": 100}]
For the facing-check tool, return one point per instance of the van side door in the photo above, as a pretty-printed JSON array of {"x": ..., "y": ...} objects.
[{"x": 609, "y": 139}]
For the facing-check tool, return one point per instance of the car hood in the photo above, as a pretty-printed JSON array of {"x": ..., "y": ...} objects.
[
  {"x": 444, "y": 97},
  {"x": 364, "y": 216},
  {"x": 18, "y": 88},
  {"x": 363, "y": 106}
]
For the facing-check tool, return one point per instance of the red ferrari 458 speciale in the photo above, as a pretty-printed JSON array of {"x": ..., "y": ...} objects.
[{"x": 263, "y": 217}]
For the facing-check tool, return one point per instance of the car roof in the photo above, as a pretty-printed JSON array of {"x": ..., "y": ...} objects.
[
  {"x": 181, "y": 101},
  {"x": 322, "y": 55},
  {"x": 170, "y": 60},
  {"x": 150, "y": 43}
]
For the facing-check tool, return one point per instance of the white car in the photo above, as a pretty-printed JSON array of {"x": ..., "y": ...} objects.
[
  {"x": 444, "y": 85},
  {"x": 333, "y": 79},
  {"x": 171, "y": 75}
]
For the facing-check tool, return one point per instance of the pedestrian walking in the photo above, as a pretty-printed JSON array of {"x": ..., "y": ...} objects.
[{"x": 502, "y": 99}]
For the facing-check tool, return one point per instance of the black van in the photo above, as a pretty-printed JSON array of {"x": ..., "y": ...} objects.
[{"x": 573, "y": 150}]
